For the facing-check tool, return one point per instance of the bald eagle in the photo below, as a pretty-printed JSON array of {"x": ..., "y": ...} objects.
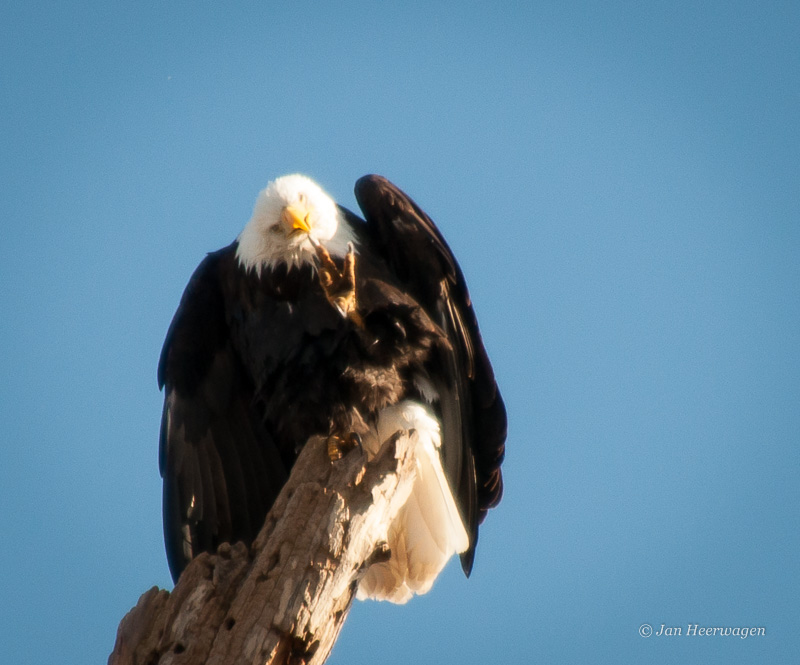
[{"x": 317, "y": 322}]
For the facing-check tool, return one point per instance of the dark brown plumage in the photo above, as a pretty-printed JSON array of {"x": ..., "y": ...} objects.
[{"x": 254, "y": 365}]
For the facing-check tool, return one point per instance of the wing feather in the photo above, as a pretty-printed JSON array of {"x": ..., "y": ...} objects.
[
  {"x": 471, "y": 408},
  {"x": 221, "y": 469}
]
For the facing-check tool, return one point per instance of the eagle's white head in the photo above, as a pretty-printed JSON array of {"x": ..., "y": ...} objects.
[{"x": 289, "y": 213}]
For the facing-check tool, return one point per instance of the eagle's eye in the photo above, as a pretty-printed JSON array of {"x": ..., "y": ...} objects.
[{"x": 275, "y": 228}]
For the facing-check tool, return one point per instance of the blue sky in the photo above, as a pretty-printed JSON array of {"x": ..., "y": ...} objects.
[{"x": 621, "y": 184}]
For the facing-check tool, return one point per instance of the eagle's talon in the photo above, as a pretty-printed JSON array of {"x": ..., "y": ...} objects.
[
  {"x": 354, "y": 441},
  {"x": 334, "y": 448},
  {"x": 339, "y": 445},
  {"x": 339, "y": 285}
]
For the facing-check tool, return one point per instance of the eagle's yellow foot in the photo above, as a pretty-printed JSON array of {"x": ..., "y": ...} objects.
[
  {"x": 341, "y": 444},
  {"x": 339, "y": 286}
]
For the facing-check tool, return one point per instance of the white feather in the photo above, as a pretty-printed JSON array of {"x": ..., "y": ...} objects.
[
  {"x": 425, "y": 387},
  {"x": 428, "y": 529}
]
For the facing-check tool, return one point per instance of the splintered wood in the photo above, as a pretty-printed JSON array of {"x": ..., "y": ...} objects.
[{"x": 285, "y": 599}]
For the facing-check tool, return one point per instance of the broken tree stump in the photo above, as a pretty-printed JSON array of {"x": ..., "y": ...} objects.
[{"x": 282, "y": 601}]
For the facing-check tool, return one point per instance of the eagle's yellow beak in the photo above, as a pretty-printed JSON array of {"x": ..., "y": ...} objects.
[{"x": 296, "y": 219}]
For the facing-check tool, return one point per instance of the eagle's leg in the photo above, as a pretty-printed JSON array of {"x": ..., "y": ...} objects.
[
  {"x": 346, "y": 428},
  {"x": 339, "y": 286},
  {"x": 341, "y": 444}
]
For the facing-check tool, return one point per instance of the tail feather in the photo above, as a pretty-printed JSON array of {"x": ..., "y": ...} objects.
[{"x": 428, "y": 529}]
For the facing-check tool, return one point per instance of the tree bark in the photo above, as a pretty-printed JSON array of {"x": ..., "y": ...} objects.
[{"x": 283, "y": 600}]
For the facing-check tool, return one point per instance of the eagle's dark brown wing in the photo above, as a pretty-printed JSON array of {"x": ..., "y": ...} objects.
[
  {"x": 471, "y": 409},
  {"x": 220, "y": 468}
]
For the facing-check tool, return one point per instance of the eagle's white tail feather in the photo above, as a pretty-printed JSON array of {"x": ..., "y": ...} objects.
[{"x": 428, "y": 529}]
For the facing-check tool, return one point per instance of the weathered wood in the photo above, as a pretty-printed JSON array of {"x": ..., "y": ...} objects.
[{"x": 285, "y": 599}]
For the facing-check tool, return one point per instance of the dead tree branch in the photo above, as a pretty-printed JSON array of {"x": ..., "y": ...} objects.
[{"x": 285, "y": 599}]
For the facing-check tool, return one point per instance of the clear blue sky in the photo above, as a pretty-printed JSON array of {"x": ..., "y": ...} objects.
[{"x": 621, "y": 184}]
